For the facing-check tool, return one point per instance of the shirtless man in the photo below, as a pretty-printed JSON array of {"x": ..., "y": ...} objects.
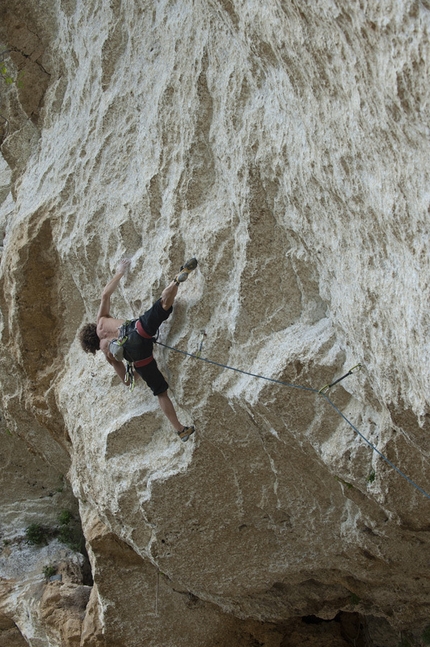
[{"x": 138, "y": 347}]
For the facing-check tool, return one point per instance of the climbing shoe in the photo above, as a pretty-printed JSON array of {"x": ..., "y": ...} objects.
[
  {"x": 185, "y": 270},
  {"x": 186, "y": 433}
]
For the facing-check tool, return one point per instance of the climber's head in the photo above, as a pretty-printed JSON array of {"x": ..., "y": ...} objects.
[{"x": 89, "y": 339}]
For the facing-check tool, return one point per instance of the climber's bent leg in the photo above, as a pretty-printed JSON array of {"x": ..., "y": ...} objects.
[
  {"x": 168, "y": 296},
  {"x": 168, "y": 409}
]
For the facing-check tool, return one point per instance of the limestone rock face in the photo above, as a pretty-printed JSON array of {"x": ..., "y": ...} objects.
[{"x": 287, "y": 148}]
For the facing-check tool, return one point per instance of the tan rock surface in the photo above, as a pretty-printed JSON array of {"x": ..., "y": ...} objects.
[
  {"x": 287, "y": 148},
  {"x": 10, "y": 636}
]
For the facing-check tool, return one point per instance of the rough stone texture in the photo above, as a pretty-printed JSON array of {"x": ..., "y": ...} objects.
[
  {"x": 286, "y": 146},
  {"x": 10, "y": 636},
  {"x": 33, "y": 491}
]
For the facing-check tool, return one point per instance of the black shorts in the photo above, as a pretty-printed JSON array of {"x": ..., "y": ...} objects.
[
  {"x": 152, "y": 319},
  {"x": 153, "y": 377},
  {"x": 138, "y": 347}
]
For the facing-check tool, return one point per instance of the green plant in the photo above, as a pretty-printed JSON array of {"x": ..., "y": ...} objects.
[
  {"x": 20, "y": 79},
  {"x": 5, "y": 74},
  {"x": 65, "y": 517},
  {"x": 71, "y": 537},
  {"x": 49, "y": 571},
  {"x": 61, "y": 487},
  {"x": 37, "y": 534},
  {"x": 354, "y": 599},
  {"x": 371, "y": 477},
  {"x": 425, "y": 636},
  {"x": 348, "y": 485},
  {"x": 68, "y": 531}
]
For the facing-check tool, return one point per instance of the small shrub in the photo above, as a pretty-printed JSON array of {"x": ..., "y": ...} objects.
[
  {"x": 49, "y": 571},
  {"x": 5, "y": 74},
  {"x": 345, "y": 483},
  {"x": 425, "y": 636},
  {"x": 60, "y": 488},
  {"x": 64, "y": 517},
  {"x": 404, "y": 642},
  {"x": 36, "y": 534},
  {"x": 71, "y": 537},
  {"x": 68, "y": 531},
  {"x": 20, "y": 79}
]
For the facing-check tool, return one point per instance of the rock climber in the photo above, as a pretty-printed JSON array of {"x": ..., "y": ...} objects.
[{"x": 133, "y": 340}]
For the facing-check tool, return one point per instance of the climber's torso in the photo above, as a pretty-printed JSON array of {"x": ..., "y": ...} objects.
[{"x": 107, "y": 329}]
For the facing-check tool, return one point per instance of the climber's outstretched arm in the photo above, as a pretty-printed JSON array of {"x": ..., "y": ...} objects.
[{"x": 104, "y": 309}]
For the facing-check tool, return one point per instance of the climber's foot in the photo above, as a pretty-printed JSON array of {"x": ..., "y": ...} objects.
[
  {"x": 186, "y": 433},
  {"x": 185, "y": 270}
]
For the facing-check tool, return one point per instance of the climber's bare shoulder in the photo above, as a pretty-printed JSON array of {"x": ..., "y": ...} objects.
[{"x": 107, "y": 327}]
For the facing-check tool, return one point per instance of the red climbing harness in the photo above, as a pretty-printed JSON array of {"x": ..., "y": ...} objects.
[{"x": 142, "y": 332}]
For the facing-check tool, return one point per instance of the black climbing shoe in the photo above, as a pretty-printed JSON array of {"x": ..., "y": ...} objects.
[
  {"x": 185, "y": 270},
  {"x": 186, "y": 433}
]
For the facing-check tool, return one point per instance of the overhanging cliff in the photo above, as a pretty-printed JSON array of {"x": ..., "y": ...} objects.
[{"x": 287, "y": 148}]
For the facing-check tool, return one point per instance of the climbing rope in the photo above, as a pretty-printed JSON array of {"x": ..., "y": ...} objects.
[
  {"x": 237, "y": 370},
  {"x": 321, "y": 392},
  {"x": 375, "y": 449}
]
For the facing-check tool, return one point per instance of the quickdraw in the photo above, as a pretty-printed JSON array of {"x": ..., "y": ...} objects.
[
  {"x": 202, "y": 338},
  {"x": 325, "y": 388},
  {"x": 129, "y": 375}
]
